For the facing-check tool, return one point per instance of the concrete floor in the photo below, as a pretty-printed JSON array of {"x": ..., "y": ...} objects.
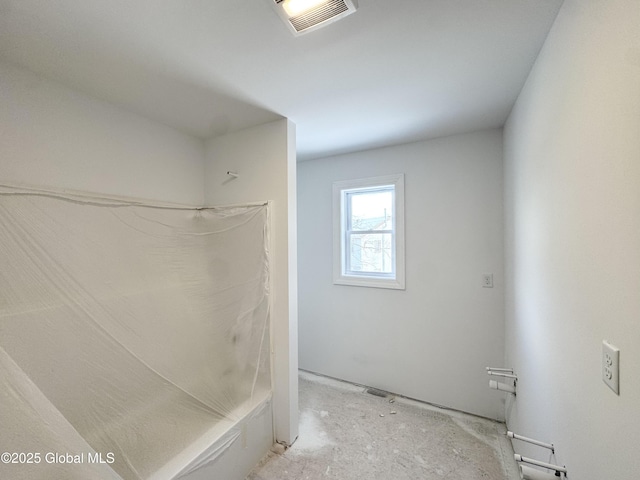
[{"x": 346, "y": 433}]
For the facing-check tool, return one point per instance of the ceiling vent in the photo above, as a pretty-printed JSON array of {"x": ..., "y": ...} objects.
[{"x": 303, "y": 16}]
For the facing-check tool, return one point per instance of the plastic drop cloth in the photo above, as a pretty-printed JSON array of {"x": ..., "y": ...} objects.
[{"x": 127, "y": 331}]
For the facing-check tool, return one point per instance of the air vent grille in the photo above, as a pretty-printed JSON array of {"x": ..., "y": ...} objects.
[{"x": 314, "y": 17}]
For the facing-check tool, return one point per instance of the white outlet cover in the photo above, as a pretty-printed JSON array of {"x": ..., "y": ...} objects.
[
  {"x": 487, "y": 280},
  {"x": 611, "y": 366}
]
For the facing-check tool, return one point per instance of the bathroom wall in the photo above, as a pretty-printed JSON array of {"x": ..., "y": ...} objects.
[
  {"x": 572, "y": 197},
  {"x": 433, "y": 340},
  {"x": 265, "y": 161},
  {"x": 54, "y": 136}
]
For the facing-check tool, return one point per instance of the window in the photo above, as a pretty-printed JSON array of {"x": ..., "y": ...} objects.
[{"x": 369, "y": 232}]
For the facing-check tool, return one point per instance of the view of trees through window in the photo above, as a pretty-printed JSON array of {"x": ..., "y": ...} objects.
[{"x": 370, "y": 230}]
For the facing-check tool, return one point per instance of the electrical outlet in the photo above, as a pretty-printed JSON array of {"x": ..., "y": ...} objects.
[
  {"x": 487, "y": 280},
  {"x": 611, "y": 366}
]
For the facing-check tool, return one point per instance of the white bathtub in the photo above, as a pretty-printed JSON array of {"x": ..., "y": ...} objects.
[{"x": 230, "y": 449}]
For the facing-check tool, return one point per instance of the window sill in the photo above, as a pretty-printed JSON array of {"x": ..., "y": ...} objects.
[{"x": 371, "y": 282}]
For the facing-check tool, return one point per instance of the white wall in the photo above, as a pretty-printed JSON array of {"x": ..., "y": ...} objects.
[
  {"x": 57, "y": 137},
  {"x": 264, "y": 158},
  {"x": 572, "y": 176},
  {"x": 433, "y": 340}
]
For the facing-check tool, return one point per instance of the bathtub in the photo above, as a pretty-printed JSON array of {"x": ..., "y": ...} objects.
[
  {"x": 229, "y": 450},
  {"x": 136, "y": 332}
]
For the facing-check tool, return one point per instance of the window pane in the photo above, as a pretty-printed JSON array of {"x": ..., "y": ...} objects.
[
  {"x": 370, "y": 252},
  {"x": 371, "y": 210}
]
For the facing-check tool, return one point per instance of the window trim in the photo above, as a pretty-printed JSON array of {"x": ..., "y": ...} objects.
[{"x": 340, "y": 277}]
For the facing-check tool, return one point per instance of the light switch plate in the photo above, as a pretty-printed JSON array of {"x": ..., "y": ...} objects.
[{"x": 611, "y": 366}]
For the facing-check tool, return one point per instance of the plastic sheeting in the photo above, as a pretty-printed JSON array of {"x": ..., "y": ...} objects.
[{"x": 128, "y": 333}]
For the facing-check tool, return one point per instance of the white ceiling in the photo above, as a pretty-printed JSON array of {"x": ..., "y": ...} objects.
[{"x": 393, "y": 72}]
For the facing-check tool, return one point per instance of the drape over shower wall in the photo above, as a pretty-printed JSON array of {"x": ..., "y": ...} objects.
[{"x": 127, "y": 330}]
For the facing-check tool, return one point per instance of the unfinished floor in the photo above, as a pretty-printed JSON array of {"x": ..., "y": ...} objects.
[{"x": 347, "y": 433}]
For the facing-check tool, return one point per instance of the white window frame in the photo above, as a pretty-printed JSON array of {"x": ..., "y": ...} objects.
[{"x": 395, "y": 280}]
